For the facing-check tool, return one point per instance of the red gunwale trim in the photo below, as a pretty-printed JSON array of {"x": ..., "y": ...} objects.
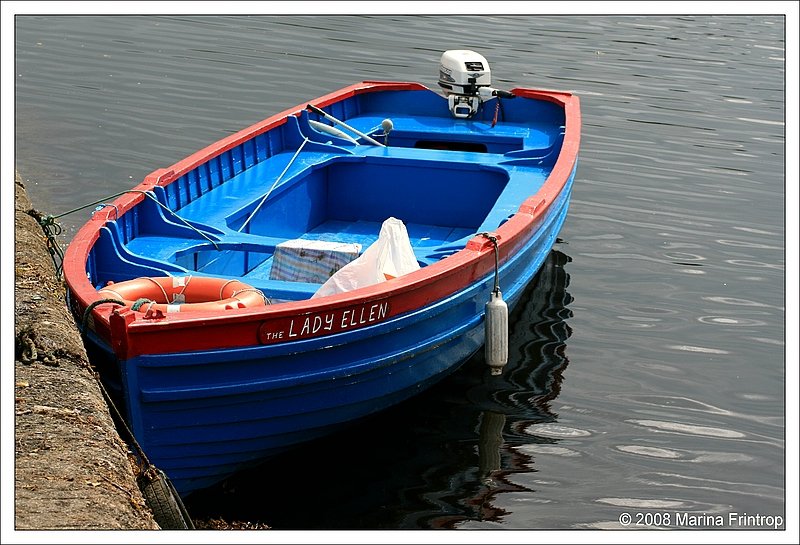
[{"x": 131, "y": 335}]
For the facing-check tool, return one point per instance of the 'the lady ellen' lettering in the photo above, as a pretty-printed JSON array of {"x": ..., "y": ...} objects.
[{"x": 335, "y": 321}]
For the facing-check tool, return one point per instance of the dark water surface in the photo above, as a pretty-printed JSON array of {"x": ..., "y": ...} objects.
[{"x": 648, "y": 372}]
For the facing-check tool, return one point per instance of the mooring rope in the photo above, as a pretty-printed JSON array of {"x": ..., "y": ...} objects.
[
  {"x": 52, "y": 229},
  {"x": 153, "y": 198},
  {"x": 150, "y": 470},
  {"x": 91, "y": 307}
]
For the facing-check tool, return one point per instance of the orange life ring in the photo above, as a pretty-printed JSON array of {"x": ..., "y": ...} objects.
[{"x": 184, "y": 294}]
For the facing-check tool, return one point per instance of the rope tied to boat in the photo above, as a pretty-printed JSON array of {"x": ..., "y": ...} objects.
[
  {"x": 493, "y": 239},
  {"x": 101, "y": 203},
  {"x": 149, "y": 471},
  {"x": 91, "y": 307},
  {"x": 141, "y": 301},
  {"x": 52, "y": 229},
  {"x": 274, "y": 185}
]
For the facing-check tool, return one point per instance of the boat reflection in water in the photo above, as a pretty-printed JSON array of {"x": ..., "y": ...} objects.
[
  {"x": 520, "y": 397},
  {"x": 432, "y": 462}
]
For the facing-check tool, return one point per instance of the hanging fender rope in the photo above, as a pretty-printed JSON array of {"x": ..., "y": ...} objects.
[{"x": 493, "y": 239}]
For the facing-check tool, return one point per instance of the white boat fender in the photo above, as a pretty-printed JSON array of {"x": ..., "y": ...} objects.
[
  {"x": 496, "y": 320},
  {"x": 496, "y": 333}
]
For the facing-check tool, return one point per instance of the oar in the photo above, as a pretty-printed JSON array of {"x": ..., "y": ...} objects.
[{"x": 329, "y": 117}]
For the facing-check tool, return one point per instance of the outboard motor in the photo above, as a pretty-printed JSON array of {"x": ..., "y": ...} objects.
[{"x": 466, "y": 79}]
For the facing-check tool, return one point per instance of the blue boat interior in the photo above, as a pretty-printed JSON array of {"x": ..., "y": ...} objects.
[{"x": 447, "y": 179}]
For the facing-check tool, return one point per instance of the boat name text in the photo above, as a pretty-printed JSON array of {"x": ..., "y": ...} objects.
[{"x": 327, "y": 322}]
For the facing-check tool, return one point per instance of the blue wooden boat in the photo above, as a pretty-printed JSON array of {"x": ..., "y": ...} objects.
[{"x": 200, "y": 310}]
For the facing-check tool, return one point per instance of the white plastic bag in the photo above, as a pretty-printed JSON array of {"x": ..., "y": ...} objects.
[{"x": 388, "y": 257}]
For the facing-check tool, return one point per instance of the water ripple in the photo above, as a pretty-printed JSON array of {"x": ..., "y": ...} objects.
[
  {"x": 736, "y": 301},
  {"x": 687, "y": 429},
  {"x": 731, "y": 321},
  {"x": 666, "y": 480},
  {"x": 654, "y": 452},
  {"x": 685, "y": 455},
  {"x": 549, "y": 450},
  {"x": 700, "y": 349},
  {"x": 556, "y": 431},
  {"x": 638, "y": 503}
]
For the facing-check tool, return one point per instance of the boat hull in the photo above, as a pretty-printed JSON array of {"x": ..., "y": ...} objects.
[{"x": 202, "y": 416}]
